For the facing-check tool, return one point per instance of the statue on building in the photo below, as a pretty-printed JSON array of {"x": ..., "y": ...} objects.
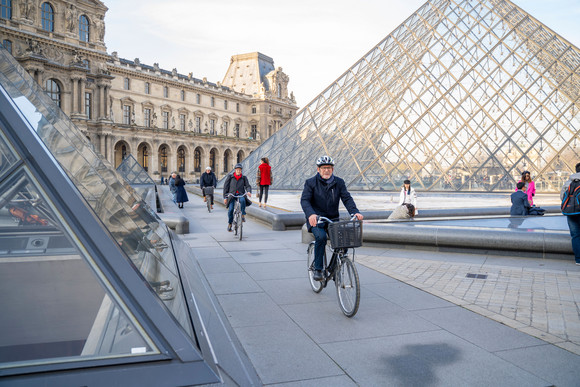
[
  {"x": 174, "y": 72},
  {"x": 100, "y": 28},
  {"x": 70, "y": 18},
  {"x": 190, "y": 125},
  {"x": 111, "y": 116},
  {"x": 27, "y": 9},
  {"x": 133, "y": 117},
  {"x": 154, "y": 120},
  {"x": 156, "y": 67},
  {"x": 172, "y": 122},
  {"x": 77, "y": 57}
]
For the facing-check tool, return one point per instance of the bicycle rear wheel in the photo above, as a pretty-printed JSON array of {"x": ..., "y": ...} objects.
[
  {"x": 347, "y": 286},
  {"x": 209, "y": 199},
  {"x": 315, "y": 285}
]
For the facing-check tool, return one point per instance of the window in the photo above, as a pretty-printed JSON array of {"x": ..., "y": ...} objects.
[
  {"x": 126, "y": 114},
  {"x": 269, "y": 109},
  {"x": 212, "y": 126},
  {"x": 197, "y": 99},
  {"x": 89, "y": 105},
  {"x": 145, "y": 158},
  {"x": 165, "y": 120},
  {"x": 182, "y": 122},
  {"x": 53, "y": 90},
  {"x": 212, "y": 104},
  {"x": 163, "y": 157},
  {"x": 127, "y": 84},
  {"x": 237, "y": 130},
  {"x": 197, "y": 160},
  {"x": 86, "y": 64},
  {"x": 47, "y": 17},
  {"x": 183, "y": 95},
  {"x": 198, "y": 124},
  {"x": 226, "y": 124},
  {"x": 165, "y": 92},
  {"x": 181, "y": 160},
  {"x": 83, "y": 28},
  {"x": 226, "y": 161},
  {"x": 6, "y": 10},
  {"x": 212, "y": 158},
  {"x": 279, "y": 90},
  {"x": 147, "y": 88},
  {"x": 238, "y": 107},
  {"x": 225, "y": 105},
  {"x": 7, "y": 45},
  {"x": 147, "y": 118},
  {"x": 253, "y": 109},
  {"x": 254, "y": 132}
]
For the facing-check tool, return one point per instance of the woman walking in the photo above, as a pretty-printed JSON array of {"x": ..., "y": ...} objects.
[
  {"x": 264, "y": 180},
  {"x": 180, "y": 193},
  {"x": 530, "y": 186}
]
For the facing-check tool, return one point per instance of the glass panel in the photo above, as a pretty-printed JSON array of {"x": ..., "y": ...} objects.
[
  {"x": 7, "y": 155},
  {"x": 54, "y": 306},
  {"x": 135, "y": 226}
]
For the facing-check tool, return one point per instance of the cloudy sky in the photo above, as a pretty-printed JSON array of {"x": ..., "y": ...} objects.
[{"x": 314, "y": 41}]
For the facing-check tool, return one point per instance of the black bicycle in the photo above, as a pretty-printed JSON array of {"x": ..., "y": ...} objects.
[
  {"x": 342, "y": 235},
  {"x": 208, "y": 193},
  {"x": 238, "y": 221}
]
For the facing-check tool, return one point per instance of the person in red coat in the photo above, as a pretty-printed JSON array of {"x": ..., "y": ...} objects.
[{"x": 264, "y": 180}]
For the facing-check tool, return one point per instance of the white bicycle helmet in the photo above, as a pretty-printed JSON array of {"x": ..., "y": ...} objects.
[{"x": 324, "y": 160}]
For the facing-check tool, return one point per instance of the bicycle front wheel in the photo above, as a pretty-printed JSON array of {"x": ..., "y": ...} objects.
[
  {"x": 209, "y": 199},
  {"x": 240, "y": 224},
  {"x": 315, "y": 285},
  {"x": 347, "y": 287}
]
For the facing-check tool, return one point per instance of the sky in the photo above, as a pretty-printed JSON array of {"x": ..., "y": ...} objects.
[{"x": 314, "y": 41}]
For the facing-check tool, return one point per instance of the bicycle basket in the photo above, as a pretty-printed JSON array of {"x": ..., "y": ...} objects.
[
  {"x": 345, "y": 234},
  {"x": 208, "y": 190}
]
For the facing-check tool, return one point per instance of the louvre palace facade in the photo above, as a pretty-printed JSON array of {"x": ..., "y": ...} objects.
[{"x": 167, "y": 120}]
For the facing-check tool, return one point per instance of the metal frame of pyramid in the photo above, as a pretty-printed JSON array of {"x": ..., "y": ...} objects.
[
  {"x": 463, "y": 96},
  {"x": 133, "y": 172}
]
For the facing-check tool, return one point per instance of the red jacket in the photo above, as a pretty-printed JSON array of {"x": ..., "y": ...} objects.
[{"x": 264, "y": 175}]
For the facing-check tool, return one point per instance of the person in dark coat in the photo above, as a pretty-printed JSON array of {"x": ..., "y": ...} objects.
[
  {"x": 180, "y": 193},
  {"x": 321, "y": 196},
  {"x": 208, "y": 179},
  {"x": 520, "y": 203},
  {"x": 236, "y": 184}
]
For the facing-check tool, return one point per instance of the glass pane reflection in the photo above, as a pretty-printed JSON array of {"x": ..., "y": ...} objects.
[{"x": 53, "y": 305}]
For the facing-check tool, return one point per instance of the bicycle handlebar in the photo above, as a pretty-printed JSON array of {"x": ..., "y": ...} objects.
[
  {"x": 322, "y": 219},
  {"x": 237, "y": 196}
]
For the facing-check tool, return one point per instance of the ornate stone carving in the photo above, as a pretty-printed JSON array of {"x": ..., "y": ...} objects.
[{"x": 70, "y": 18}]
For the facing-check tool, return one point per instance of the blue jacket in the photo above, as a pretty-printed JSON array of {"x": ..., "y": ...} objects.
[
  {"x": 322, "y": 198},
  {"x": 520, "y": 203}
]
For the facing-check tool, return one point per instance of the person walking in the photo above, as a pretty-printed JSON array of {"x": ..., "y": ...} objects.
[
  {"x": 321, "y": 196},
  {"x": 520, "y": 203},
  {"x": 172, "y": 187},
  {"x": 180, "y": 193},
  {"x": 208, "y": 179},
  {"x": 264, "y": 180},
  {"x": 236, "y": 184},
  {"x": 570, "y": 191},
  {"x": 530, "y": 186}
]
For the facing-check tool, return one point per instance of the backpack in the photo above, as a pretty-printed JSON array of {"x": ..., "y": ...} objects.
[{"x": 571, "y": 199}]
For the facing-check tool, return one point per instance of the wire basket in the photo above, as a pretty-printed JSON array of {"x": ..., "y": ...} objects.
[
  {"x": 345, "y": 234},
  {"x": 208, "y": 190}
]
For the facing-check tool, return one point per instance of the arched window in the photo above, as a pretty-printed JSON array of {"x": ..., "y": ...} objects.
[
  {"x": 197, "y": 160},
  {"x": 123, "y": 152},
  {"x": 212, "y": 159},
  {"x": 6, "y": 9},
  {"x": 181, "y": 160},
  {"x": 163, "y": 158},
  {"x": 83, "y": 28},
  {"x": 53, "y": 90},
  {"x": 7, "y": 45},
  {"x": 226, "y": 161},
  {"x": 145, "y": 158},
  {"x": 47, "y": 17},
  {"x": 240, "y": 156}
]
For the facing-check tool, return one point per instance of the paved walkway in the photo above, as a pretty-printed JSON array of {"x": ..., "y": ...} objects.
[{"x": 401, "y": 335}]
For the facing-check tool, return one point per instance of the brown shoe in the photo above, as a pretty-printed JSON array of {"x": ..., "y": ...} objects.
[{"x": 229, "y": 227}]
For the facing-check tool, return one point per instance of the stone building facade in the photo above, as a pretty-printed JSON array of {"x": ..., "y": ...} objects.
[{"x": 168, "y": 121}]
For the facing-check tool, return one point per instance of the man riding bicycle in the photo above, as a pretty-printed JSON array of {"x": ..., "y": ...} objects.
[
  {"x": 236, "y": 184},
  {"x": 208, "y": 179},
  {"x": 320, "y": 197}
]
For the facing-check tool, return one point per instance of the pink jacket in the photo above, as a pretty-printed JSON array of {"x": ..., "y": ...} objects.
[{"x": 531, "y": 191}]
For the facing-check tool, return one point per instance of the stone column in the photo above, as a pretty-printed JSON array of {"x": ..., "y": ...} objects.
[{"x": 74, "y": 94}]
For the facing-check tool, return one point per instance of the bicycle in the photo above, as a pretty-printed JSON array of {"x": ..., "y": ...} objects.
[
  {"x": 208, "y": 193},
  {"x": 342, "y": 235},
  {"x": 238, "y": 223}
]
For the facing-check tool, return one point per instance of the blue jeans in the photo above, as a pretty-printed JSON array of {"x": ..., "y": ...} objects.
[
  {"x": 231, "y": 209},
  {"x": 321, "y": 237},
  {"x": 574, "y": 225}
]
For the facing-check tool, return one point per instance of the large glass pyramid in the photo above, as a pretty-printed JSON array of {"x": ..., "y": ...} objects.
[
  {"x": 463, "y": 96},
  {"x": 133, "y": 172}
]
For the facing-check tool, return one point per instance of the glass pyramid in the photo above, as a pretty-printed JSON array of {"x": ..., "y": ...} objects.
[
  {"x": 91, "y": 278},
  {"x": 463, "y": 96},
  {"x": 133, "y": 172}
]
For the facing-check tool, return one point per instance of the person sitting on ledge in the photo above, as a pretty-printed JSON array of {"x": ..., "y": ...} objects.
[{"x": 520, "y": 203}]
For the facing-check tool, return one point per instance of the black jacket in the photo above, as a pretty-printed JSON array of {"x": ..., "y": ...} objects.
[
  {"x": 231, "y": 185},
  {"x": 208, "y": 180},
  {"x": 520, "y": 203},
  {"x": 321, "y": 198}
]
